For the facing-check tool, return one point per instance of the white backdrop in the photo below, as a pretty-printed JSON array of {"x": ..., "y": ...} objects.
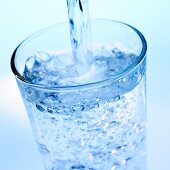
[{"x": 18, "y": 19}]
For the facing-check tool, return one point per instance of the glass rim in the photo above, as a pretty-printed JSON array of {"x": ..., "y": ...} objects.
[{"x": 104, "y": 82}]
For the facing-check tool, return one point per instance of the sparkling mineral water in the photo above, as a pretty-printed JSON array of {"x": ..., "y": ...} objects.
[
  {"x": 95, "y": 128},
  {"x": 100, "y": 126}
]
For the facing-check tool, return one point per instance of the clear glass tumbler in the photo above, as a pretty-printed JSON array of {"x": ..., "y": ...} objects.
[{"x": 99, "y": 124}]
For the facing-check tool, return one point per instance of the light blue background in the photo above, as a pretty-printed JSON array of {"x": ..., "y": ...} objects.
[{"x": 18, "y": 19}]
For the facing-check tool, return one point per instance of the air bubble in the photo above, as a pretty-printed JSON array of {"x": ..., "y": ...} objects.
[
  {"x": 114, "y": 151},
  {"x": 43, "y": 149},
  {"x": 50, "y": 109},
  {"x": 117, "y": 98},
  {"x": 40, "y": 107},
  {"x": 128, "y": 159},
  {"x": 139, "y": 128},
  {"x": 33, "y": 62},
  {"x": 78, "y": 167},
  {"x": 53, "y": 120}
]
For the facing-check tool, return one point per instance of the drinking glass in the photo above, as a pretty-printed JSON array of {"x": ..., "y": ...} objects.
[{"x": 94, "y": 125}]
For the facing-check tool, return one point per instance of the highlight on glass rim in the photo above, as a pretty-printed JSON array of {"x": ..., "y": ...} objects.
[{"x": 83, "y": 86}]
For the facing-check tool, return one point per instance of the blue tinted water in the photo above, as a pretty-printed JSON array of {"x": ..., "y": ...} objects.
[{"x": 101, "y": 128}]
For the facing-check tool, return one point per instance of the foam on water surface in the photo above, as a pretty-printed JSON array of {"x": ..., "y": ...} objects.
[{"x": 47, "y": 68}]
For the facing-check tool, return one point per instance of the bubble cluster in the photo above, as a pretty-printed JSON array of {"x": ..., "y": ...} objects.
[
  {"x": 95, "y": 129},
  {"x": 52, "y": 69}
]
